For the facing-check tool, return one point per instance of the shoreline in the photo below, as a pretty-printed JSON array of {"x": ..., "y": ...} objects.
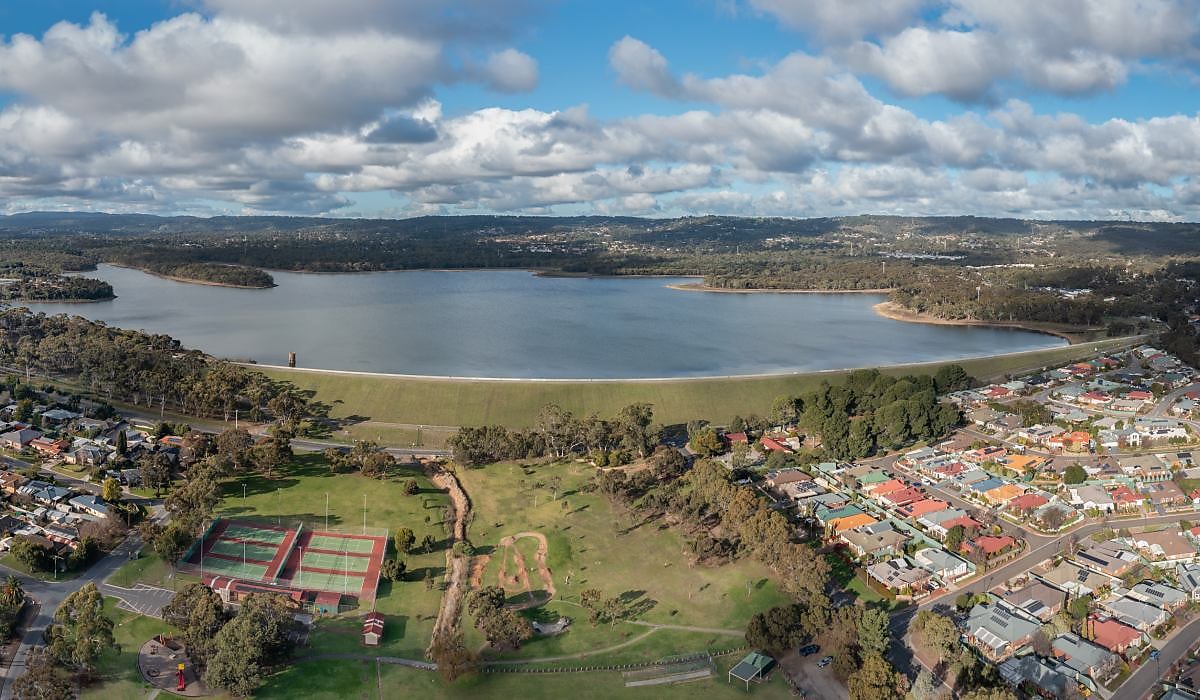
[
  {"x": 187, "y": 280},
  {"x": 649, "y": 380},
  {"x": 892, "y": 310},
  {"x": 701, "y": 287},
  {"x": 17, "y": 302}
]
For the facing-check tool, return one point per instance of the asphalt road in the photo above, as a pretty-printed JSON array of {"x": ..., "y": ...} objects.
[{"x": 1147, "y": 677}]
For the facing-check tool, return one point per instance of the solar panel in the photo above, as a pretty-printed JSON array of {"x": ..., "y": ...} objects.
[{"x": 1082, "y": 575}]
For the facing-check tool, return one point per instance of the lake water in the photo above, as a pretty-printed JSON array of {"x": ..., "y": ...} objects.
[{"x": 514, "y": 324}]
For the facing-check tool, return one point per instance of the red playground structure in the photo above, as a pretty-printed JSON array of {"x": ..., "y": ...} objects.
[{"x": 179, "y": 677}]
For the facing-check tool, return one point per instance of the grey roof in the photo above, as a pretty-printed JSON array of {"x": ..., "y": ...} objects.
[
  {"x": 1038, "y": 672},
  {"x": 996, "y": 626},
  {"x": 937, "y": 560},
  {"x": 1039, "y": 599},
  {"x": 1158, "y": 594},
  {"x": 1189, "y": 576},
  {"x": 1135, "y": 613},
  {"x": 1083, "y": 656}
]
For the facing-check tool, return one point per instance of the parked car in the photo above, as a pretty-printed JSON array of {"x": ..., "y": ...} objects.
[
  {"x": 809, "y": 650},
  {"x": 825, "y": 662}
]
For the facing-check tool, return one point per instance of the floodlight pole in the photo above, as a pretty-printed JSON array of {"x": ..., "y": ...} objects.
[
  {"x": 301, "y": 581},
  {"x": 364, "y": 513},
  {"x": 326, "y": 511}
]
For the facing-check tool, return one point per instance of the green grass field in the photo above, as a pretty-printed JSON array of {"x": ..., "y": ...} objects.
[
  {"x": 393, "y": 405},
  {"x": 366, "y": 680},
  {"x": 591, "y": 546}
]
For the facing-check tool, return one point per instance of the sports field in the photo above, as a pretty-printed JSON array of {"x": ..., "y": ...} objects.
[
  {"x": 401, "y": 403},
  {"x": 293, "y": 557}
]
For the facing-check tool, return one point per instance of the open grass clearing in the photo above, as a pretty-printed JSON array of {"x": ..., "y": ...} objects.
[
  {"x": 394, "y": 406},
  {"x": 591, "y": 546}
]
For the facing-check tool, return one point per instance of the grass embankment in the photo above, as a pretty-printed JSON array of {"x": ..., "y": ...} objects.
[
  {"x": 334, "y": 680},
  {"x": 393, "y": 406},
  {"x": 591, "y": 546}
]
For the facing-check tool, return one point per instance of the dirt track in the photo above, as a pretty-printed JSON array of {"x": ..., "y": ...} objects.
[
  {"x": 519, "y": 581},
  {"x": 456, "y": 567}
]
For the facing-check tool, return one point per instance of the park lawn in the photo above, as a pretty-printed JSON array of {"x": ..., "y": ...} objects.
[
  {"x": 599, "y": 548},
  {"x": 152, "y": 570},
  {"x": 118, "y": 667},
  {"x": 401, "y": 682},
  {"x": 297, "y": 493},
  {"x": 452, "y": 402},
  {"x": 13, "y": 563}
]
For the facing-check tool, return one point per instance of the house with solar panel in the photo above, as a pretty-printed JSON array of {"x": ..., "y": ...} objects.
[
  {"x": 1159, "y": 595},
  {"x": 998, "y": 630}
]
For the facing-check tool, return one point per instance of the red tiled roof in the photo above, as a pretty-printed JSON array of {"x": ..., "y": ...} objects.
[
  {"x": 1112, "y": 635},
  {"x": 775, "y": 445},
  {"x": 925, "y": 507},
  {"x": 990, "y": 545},
  {"x": 904, "y": 496},
  {"x": 887, "y": 487},
  {"x": 1027, "y": 502},
  {"x": 736, "y": 437}
]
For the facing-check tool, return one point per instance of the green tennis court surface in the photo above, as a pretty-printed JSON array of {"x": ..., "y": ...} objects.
[
  {"x": 341, "y": 544},
  {"x": 249, "y": 532},
  {"x": 336, "y": 562},
  {"x": 327, "y": 582},
  {"x": 234, "y": 569},
  {"x": 252, "y": 552}
]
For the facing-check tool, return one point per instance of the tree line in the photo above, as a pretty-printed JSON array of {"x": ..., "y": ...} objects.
[
  {"x": 147, "y": 369},
  {"x": 557, "y": 433}
]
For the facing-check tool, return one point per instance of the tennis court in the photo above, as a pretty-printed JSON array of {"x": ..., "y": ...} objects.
[
  {"x": 334, "y": 543},
  {"x": 321, "y": 581},
  {"x": 335, "y": 562},
  {"x": 245, "y": 531},
  {"x": 251, "y": 552},
  {"x": 233, "y": 569}
]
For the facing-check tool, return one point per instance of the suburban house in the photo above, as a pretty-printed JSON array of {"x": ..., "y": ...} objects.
[
  {"x": 1189, "y": 579},
  {"x": 1040, "y": 673},
  {"x": 989, "y": 546},
  {"x": 1023, "y": 464},
  {"x": 1084, "y": 657},
  {"x": 776, "y": 479},
  {"x": 49, "y": 448},
  {"x": 1092, "y": 498},
  {"x": 875, "y": 540},
  {"x": 902, "y": 497},
  {"x": 1108, "y": 558},
  {"x": 942, "y": 564},
  {"x": 1075, "y": 579},
  {"x": 1145, "y": 468},
  {"x": 1135, "y": 613},
  {"x": 941, "y": 522},
  {"x": 91, "y": 505},
  {"x": 922, "y": 508},
  {"x": 10, "y": 482},
  {"x": 1168, "y": 545},
  {"x": 1160, "y": 595},
  {"x": 1164, "y": 494},
  {"x": 1003, "y": 494},
  {"x": 1114, "y": 635},
  {"x": 1024, "y": 504},
  {"x": 19, "y": 439},
  {"x": 1126, "y": 499},
  {"x": 1038, "y": 599},
  {"x": 899, "y": 575},
  {"x": 997, "y": 631}
]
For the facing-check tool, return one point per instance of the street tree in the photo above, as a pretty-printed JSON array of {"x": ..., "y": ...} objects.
[{"x": 81, "y": 631}]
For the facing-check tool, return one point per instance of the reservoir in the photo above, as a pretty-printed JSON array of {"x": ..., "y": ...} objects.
[{"x": 512, "y": 323}]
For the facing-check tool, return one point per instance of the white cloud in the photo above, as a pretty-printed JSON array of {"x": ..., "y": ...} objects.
[
  {"x": 841, "y": 19},
  {"x": 510, "y": 71}
]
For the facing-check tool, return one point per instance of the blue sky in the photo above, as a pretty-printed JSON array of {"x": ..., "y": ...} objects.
[{"x": 1071, "y": 109}]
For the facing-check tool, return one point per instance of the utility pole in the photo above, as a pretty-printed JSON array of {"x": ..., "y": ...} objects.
[
  {"x": 326, "y": 511},
  {"x": 364, "y": 513}
]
